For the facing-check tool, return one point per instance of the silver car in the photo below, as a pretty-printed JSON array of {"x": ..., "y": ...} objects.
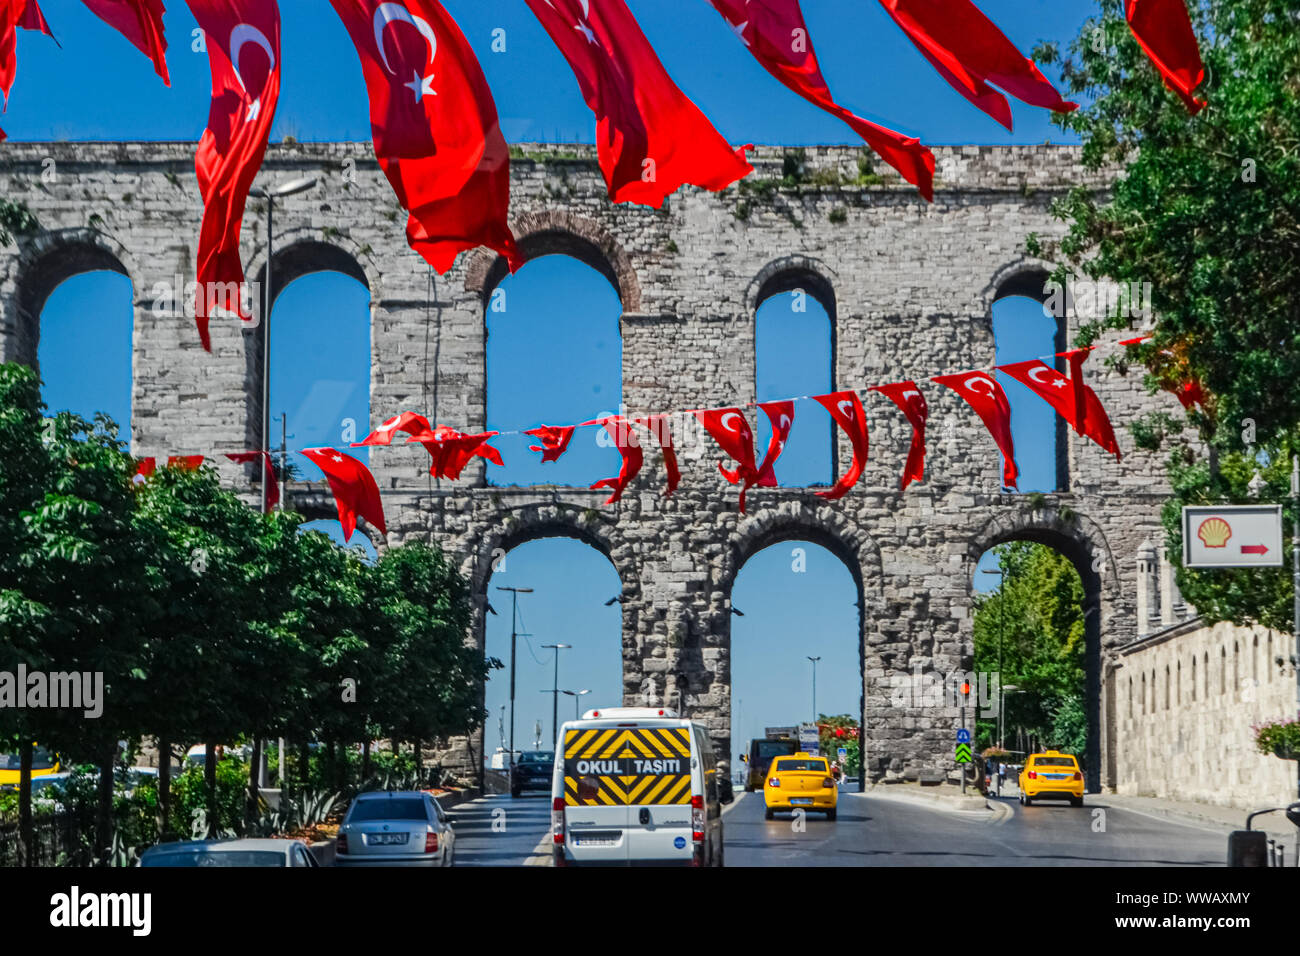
[
  {"x": 230, "y": 853},
  {"x": 395, "y": 828}
]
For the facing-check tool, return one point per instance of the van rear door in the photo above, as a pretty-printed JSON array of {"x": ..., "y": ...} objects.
[
  {"x": 659, "y": 788},
  {"x": 595, "y": 819}
]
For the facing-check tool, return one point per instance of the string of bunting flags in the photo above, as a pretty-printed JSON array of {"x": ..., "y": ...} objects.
[
  {"x": 434, "y": 121},
  {"x": 357, "y": 495}
]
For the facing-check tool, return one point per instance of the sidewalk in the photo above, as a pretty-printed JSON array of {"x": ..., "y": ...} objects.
[{"x": 947, "y": 796}]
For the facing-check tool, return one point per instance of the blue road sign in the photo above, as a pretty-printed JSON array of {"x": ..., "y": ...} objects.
[{"x": 963, "y": 736}]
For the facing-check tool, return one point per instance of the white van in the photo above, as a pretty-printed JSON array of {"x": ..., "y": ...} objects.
[{"x": 636, "y": 785}]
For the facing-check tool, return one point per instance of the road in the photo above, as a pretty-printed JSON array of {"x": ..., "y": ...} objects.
[
  {"x": 887, "y": 831},
  {"x": 499, "y": 831},
  {"x": 891, "y": 831}
]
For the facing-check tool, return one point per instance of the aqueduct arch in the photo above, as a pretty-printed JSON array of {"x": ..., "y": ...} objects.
[{"x": 910, "y": 287}]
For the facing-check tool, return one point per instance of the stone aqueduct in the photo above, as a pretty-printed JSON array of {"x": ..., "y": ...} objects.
[{"x": 909, "y": 289}]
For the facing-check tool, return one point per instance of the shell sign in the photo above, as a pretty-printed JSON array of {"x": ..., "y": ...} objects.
[
  {"x": 1214, "y": 532},
  {"x": 1232, "y": 536}
]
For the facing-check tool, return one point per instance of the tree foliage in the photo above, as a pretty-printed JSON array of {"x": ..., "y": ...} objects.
[
  {"x": 1031, "y": 632},
  {"x": 211, "y": 622},
  {"x": 1206, "y": 209}
]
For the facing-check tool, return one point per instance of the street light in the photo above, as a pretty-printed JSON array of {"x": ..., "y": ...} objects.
[
  {"x": 1002, "y": 710},
  {"x": 575, "y": 694},
  {"x": 514, "y": 635},
  {"x": 555, "y": 687},
  {"x": 270, "y": 194},
  {"x": 814, "y": 664}
]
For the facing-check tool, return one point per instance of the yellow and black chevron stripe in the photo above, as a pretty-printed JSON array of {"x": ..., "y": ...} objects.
[{"x": 622, "y": 767}]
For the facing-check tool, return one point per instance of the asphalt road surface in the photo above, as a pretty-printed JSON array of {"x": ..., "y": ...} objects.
[
  {"x": 886, "y": 831},
  {"x": 499, "y": 831},
  {"x": 890, "y": 831}
]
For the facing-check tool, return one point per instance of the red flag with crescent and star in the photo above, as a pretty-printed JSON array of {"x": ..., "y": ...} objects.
[
  {"x": 554, "y": 440},
  {"x": 781, "y": 415},
  {"x": 408, "y": 422},
  {"x": 13, "y": 14},
  {"x": 970, "y": 52},
  {"x": 450, "y": 451},
  {"x": 650, "y": 138},
  {"x": 355, "y": 491},
  {"x": 434, "y": 125},
  {"x": 1055, "y": 389},
  {"x": 912, "y": 404},
  {"x": 629, "y": 447},
  {"x": 243, "y": 44},
  {"x": 846, "y": 408},
  {"x": 981, "y": 392},
  {"x": 140, "y": 21},
  {"x": 662, "y": 433},
  {"x": 1164, "y": 31},
  {"x": 731, "y": 431},
  {"x": 185, "y": 462},
  {"x": 777, "y": 36},
  {"x": 270, "y": 487}
]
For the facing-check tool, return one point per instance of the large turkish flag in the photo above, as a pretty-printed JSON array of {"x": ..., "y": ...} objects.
[
  {"x": 243, "y": 43},
  {"x": 650, "y": 137},
  {"x": 434, "y": 125}
]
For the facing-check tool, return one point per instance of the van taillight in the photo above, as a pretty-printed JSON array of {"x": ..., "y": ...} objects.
[
  {"x": 342, "y": 845},
  {"x": 557, "y": 820},
  {"x": 697, "y": 818},
  {"x": 431, "y": 842}
]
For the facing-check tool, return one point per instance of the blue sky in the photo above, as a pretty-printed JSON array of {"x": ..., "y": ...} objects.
[{"x": 559, "y": 310}]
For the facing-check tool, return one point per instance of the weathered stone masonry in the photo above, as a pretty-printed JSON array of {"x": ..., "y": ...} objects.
[{"x": 909, "y": 287}]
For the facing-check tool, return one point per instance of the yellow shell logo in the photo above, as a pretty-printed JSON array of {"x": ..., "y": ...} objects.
[{"x": 1214, "y": 532}]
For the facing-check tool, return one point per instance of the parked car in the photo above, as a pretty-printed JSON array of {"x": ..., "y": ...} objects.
[
  {"x": 533, "y": 772},
  {"x": 241, "y": 853},
  {"x": 395, "y": 828}
]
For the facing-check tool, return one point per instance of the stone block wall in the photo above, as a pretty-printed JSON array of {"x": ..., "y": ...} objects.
[{"x": 909, "y": 285}]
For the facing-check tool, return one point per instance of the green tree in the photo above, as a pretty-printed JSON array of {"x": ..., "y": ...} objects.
[
  {"x": 1034, "y": 624},
  {"x": 1207, "y": 210}
]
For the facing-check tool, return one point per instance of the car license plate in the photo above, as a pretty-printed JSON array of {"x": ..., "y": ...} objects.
[
  {"x": 387, "y": 839},
  {"x": 1054, "y": 776},
  {"x": 596, "y": 839},
  {"x": 802, "y": 801}
]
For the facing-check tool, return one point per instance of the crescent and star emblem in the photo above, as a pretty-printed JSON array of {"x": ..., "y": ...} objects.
[
  {"x": 786, "y": 423},
  {"x": 241, "y": 34},
  {"x": 846, "y": 408},
  {"x": 988, "y": 388},
  {"x": 388, "y": 13},
  {"x": 740, "y": 429}
]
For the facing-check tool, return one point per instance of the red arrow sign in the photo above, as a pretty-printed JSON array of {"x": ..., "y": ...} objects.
[{"x": 1254, "y": 549}]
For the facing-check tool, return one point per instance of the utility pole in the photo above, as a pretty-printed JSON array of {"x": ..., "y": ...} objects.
[
  {"x": 1002, "y": 611},
  {"x": 814, "y": 664},
  {"x": 284, "y": 458},
  {"x": 514, "y": 637}
]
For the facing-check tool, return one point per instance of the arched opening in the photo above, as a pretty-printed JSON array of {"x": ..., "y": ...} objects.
[
  {"x": 1024, "y": 329},
  {"x": 84, "y": 348},
  {"x": 574, "y": 600},
  {"x": 554, "y": 357},
  {"x": 1040, "y": 645},
  {"x": 796, "y": 604},
  {"x": 794, "y": 345}
]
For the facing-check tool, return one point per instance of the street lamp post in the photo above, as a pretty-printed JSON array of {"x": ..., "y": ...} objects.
[
  {"x": 1002, "y": 710},
  {"x": 576, "y": 695},
  {"x": 814, "y": 664},
  {"x": 555, "y": 687},
  {"x": 514, "y": 637},
  {"x": 270, "y": 194}
]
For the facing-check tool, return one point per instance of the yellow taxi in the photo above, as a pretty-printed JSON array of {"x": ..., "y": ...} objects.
[
  {"x": 43, "y": 763},
  {"x": 1051, "y": 775},
  {"x": 800, "y": 782}
]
